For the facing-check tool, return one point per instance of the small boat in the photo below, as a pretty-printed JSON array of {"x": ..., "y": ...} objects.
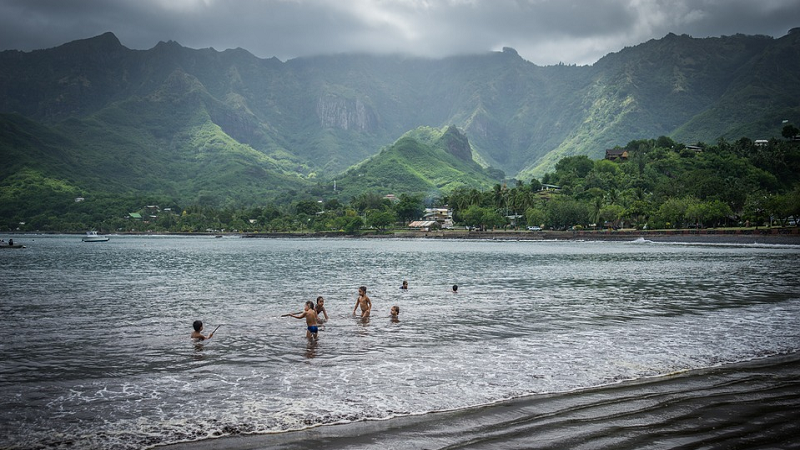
[
  {"x": 10, "y": 245},
  {"x": 92, "y": 236}
]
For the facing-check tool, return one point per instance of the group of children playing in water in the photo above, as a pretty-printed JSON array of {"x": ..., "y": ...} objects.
[{"x": 312, "y": 314}]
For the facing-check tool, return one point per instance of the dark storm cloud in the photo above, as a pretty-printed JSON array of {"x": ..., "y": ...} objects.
[{"x": 542, "y": 31}]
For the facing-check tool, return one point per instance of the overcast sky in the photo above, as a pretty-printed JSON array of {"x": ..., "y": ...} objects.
[{"x": 544, "y": 32}]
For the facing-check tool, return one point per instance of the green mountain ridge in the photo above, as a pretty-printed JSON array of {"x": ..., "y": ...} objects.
[
  {"x": 424, "y": 161},
  {"x": 226, "y": 128},
  {"x": 689, "y": 89}
]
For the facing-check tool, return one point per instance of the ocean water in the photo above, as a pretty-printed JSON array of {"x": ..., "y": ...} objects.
[{"x": 96, "y": 350}]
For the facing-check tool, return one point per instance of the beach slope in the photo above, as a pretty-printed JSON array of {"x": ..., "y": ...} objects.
[{"x": 745, "y": 405}]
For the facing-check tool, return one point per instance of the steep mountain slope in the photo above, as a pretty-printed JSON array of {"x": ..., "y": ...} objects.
[
  {"x": 165, "y": 144},
  {"x": 228, "y": 126},
  {"x": 762, "y": 93},
  {"x": 655, "y": 88},
  {"x": 424, "y": 161}
]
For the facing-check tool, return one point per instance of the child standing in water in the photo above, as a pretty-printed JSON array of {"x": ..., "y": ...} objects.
[
  {"x": 394, "y": 313},
  {"x": 320, "y": 308},
  {"x": 198, "y": 327},
  {"x": 311, "y": 320},
  {"x": 364, "y": 302}
]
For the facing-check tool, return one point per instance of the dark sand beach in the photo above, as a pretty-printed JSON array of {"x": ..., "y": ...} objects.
[{"x": 745, "y": 405}]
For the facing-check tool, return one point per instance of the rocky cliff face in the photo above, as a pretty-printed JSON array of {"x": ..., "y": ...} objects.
[
  {"x": 456, "y": 143},
  {"x": 346, "y": 114}
]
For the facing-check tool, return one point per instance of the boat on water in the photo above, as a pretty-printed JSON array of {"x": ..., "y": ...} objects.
[
  {"x": 10, "y": 244},
  {"x": 92, "y": 236}
]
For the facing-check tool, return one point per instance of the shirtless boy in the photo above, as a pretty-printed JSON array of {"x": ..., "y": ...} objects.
[
  {"x": 311, "y": 319},
  {"x": 198, "y": 327},
  {"x": 364, "y": 302}
]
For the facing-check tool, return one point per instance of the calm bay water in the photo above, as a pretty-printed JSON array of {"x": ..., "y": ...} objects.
[{"x": 96, "y": 350}]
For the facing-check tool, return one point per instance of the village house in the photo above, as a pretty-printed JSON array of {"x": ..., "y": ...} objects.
[
  {"x": 550, "y": 187},
  {"x": 424, "y": 225},
  {"x": 434, "y": 218},
  {"x": 616, "y": 154},
  {"x": 443, "y": 216}
]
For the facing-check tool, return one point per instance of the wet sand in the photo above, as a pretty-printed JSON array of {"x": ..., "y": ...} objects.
[{"x": 745, "y": 405}]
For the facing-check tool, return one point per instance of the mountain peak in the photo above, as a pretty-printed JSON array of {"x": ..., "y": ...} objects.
[
  {"x": 456, "y": 143},
  {"x": 510, "y": 51},
  {"x": 167, "y": 44},
  {"x": 105, "y": 42},
  {"x": 108, "y": 37}
]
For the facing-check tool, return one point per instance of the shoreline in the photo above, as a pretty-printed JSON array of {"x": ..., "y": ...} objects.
[
  {"x": 775, "y": 235},
  {"x": 744, "y": 404},
  {"x": 766, "y": 235}
]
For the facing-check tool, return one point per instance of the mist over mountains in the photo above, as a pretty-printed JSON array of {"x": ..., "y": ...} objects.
[{"x": 201, "y": 125}]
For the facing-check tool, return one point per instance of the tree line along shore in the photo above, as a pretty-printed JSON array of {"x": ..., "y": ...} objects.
[{"x": 786, "y": 235}]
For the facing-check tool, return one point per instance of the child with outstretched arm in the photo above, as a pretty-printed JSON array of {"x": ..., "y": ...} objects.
[
  {"x": 312, "y": 327},
  {"x": 196, "y": 334}
]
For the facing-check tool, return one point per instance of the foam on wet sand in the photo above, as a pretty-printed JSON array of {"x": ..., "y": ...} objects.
[{"x": 745, "y": 405}]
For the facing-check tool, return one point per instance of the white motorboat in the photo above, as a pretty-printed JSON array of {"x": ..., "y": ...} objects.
[{"x": 92, "y": 236}]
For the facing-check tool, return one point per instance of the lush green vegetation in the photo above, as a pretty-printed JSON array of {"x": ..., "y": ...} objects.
[
  {"x": 224, "y": 140},
  {"x": 425, "y": 161},
  {"x": 662, "y": 184}
]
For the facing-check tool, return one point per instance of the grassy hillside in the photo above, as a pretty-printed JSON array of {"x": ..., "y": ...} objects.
[
  {"x": 123, "y": 152},
  {"x": 424, "y": 161}
]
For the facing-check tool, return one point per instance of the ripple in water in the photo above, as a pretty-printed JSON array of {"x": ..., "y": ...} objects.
[{"x": 98, "y": 353}]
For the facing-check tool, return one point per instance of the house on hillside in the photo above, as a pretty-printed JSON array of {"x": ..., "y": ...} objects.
[{"x": 617, "y": 154}]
